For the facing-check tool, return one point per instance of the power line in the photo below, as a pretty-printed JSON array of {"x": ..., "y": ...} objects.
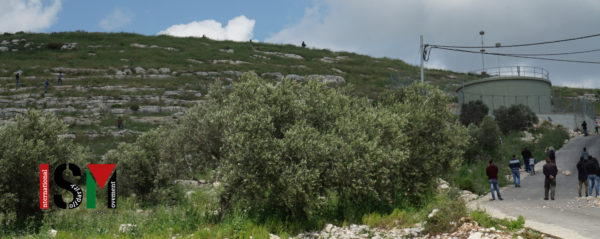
[
  {"x": 519, "y": 45},
  {"x": 553, "y": 54},
  {"x": 508, "y": 55}
]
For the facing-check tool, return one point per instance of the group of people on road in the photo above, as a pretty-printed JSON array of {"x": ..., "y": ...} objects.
[
  {"x": 46, "y": 82},
  {"x": 588, "y": 171},
  {"x": 584, "y": 128}
]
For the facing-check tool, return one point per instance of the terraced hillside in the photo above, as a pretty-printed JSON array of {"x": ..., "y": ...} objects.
[{"x": 149, "y": 80}]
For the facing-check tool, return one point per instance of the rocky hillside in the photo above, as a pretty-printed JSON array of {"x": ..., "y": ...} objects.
[{"x": 148, "y": 80}]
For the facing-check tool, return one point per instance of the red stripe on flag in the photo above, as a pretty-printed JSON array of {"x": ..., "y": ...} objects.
[{"x": 44, "y": 186}]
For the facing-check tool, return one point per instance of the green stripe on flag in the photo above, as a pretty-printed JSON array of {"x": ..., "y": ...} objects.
[{"x": 91, "y": 190}]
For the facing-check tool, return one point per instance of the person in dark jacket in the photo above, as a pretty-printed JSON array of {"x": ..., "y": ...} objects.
[
  {"x": 17, "y": 79},
  {"x": 526, "y": 156},
  {"x": 551, "y": 154},
  {"x": 492, "y": 173},
  {"x": 584, "y": 127},
  {"x": 583, "y": 178},
  {"x": 591, "y": 167},
  {"x": 550, "y": 172},
  {"x": 515, "y": 166}
]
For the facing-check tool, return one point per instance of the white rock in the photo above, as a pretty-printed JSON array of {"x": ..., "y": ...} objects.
[
  {"x": 124, "y": 228},
  {"x": 52, "y": 232},
  {"x": 475, "y": 235},
  {"x": 3, "y": 49},
  {"x": 69, "y": 46},
  {"x": 152, "y": 71},
  {"x": 433, "y": 212},
  {"x": 295, "y": 77},
  {"x": 227, "y": 50},
  {"x": 273, "y": 236},
  {"x": 137, "y": 45},
  {"x": 139, "y": 70},
  {"x": 164, "y": 70},
  {"x": 5, "y": 42}
]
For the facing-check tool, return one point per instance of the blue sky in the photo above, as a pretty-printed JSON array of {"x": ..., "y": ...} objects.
[
  {"x": 380, "y": 28},
  {"x": 151, "y": 17}
]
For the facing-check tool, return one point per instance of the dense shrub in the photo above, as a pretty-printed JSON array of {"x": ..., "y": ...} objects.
[
  {"x": 515, "y": 118},
  {"x": 32, "y": 139},
  {"x": 473, "y": 112},
  {"x": 436, "y": 144},
  {"x": 288, "y": 144},
  {"x": 54, "y": 45}
]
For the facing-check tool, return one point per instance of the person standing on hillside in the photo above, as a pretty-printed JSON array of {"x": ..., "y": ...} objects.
[
  {"x": 46, "y": 85},
  {"x": 17, "y": 79},
  {"x": 515, "y": 166},
  {"x": 60, "y": 76},
  {"x": 550, "y": 172},
  {"x": 592, "y": 168},
  {"x": 582, "y": 173},
  {"x": 492, "y": 173},
  {"x": 120, "y": 123},
  {"x": 526, "y": 156},
  {"x": 584, "y": 127},
  {"x": 596, "y": 127}
]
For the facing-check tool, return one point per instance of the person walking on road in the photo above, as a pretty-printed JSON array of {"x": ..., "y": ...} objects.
[
  {"x": 515, "y": 166},
  {"x": 492, "y": 173},
  {"x": 582, "y": 173},
  {"x": 585, "y": 154},
  {"x": 584, "y": 127},
  {"x": 550, "y": 172},
  {"x": 551, "y": 154},
  {"x": 592, "y": 168},
  {"x": 526, "y": 156},
  {"x": 531, "y": 166}
]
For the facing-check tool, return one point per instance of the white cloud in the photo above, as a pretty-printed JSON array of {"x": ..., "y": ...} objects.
[
  {"x": 238, "y": 29},
  {"x": 28, "y": 15},
  {"x": 116, "y": 19},
  {"x": 391, "y": 28}
]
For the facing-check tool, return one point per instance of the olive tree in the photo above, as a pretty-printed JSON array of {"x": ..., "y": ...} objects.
[{"x": 26, "y": 142}]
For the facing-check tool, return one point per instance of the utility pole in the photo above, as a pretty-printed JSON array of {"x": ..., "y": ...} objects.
[
  {"x": 421, "y": 51},
  {"x": 482, "y": 51}
]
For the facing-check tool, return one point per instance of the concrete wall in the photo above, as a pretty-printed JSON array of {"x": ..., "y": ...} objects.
[
  {"x": 570, "y": 121},
  {"x": 506, "y": 91}
]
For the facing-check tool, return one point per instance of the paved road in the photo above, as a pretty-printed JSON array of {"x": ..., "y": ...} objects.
[{"x": 568, "y": 216}]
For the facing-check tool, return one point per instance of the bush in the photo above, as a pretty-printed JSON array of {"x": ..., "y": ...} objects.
[
  {"x": 134, "y": 108},
  {"x": 515, "y": 118},
  {"x": 487, "y": 221},
  {"x": 437, "y": 143},
  {"x": 450, "y": 210},
  {"x": 287, "y": 144},
  {"x": 32, "y": 139},
  {"x": 54, "y": 45},
  {"x": 473, "y": 112}
]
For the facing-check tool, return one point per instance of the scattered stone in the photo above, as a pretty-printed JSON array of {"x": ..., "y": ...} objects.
[
  {"x": 52, "y": 233},
  {"x": 227, "y": 50},
  {"x": 14, "y": 50},
  {"x": 338, "y": 70},
  {"x": 433, "y": 212},
  {"x": 152, "y": 71},
  {"x": 260, "y": 57},
  {"x": 69, "y": 46},
  {"x": 273, "y": 236},
  {"x": 232, "y": 62},
  {"x": 274, "y": 75},
  {"x": 195, "y": 61},
  {"x": 4, "y": 49},
  {"x": 125, "y": 228},
  {"x": 5, "y": 42},
  {"x": 91, "y": 54},
  {"x": 285, "y": 55},
  {"x": 139, "y": 70},
  {"x": 164, "y": 70},
  {"x": 137, "y": 45}
]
